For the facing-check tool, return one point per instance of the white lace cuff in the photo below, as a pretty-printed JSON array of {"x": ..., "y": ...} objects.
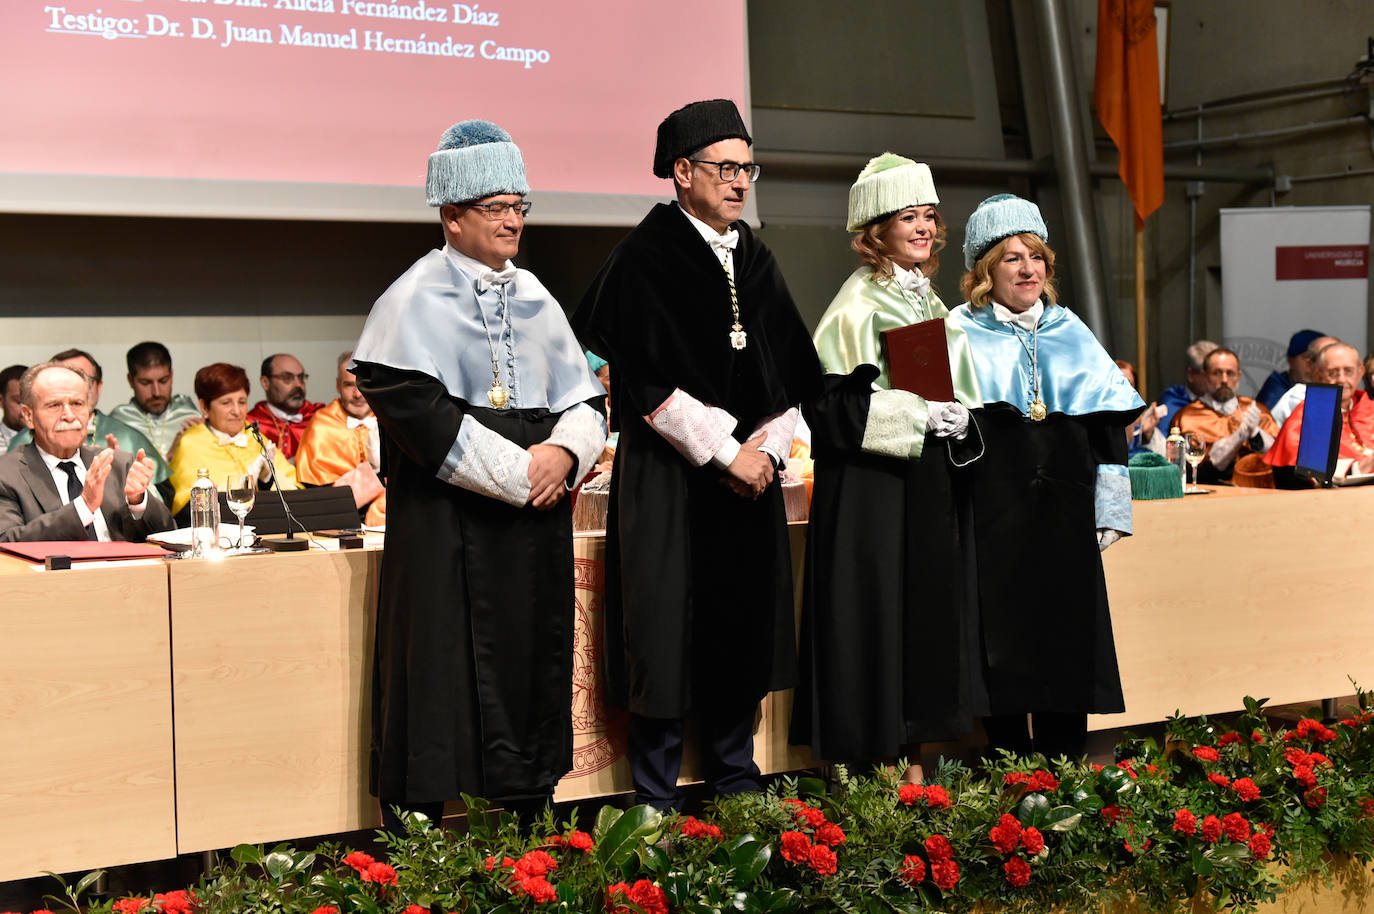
[
  {"x": 896, "y": 424},
  {"x": 779, "y": 429},
  {"x": 581, "y": 430},
  {"x": 484, "y": 462},
  {"x": 694, "y": 429}
]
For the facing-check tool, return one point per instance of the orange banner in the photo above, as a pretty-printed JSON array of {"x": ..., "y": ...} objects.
[{"x": 1127, "y": 98}]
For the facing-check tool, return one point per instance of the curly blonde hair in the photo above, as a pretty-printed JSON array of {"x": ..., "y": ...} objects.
[
  {"x": 976, "y": 285},
  {"x": 868, "y": 244}
]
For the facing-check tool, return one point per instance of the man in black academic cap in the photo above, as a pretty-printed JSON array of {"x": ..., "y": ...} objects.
[{"x": 709, "y": 361}]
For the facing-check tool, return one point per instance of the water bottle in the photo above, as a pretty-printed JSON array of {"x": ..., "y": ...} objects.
[
  {"x": 1176, "y": 449},
  {"x": 204, "y": 516}
]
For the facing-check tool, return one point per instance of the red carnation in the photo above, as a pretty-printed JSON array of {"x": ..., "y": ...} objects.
[
  {"x": 797, "y": 807},
  {"x": 415, "y": 909},
  {"x": 1043, "y": 780},
  {"x": 913, "y": 870},
  {"x": 1111, "y": 814},
  {"x": 1206, "y": 753},
  {"x": 1125, "y": 765},
  {"x": 945, "y": 873},
  {"x": 179, "y": 901},
  {"x": 1006, "y": 834},
  {"x": 1220, "y": 780},
  {"x": 1185, "y": 822},
  {"x": 1305, "y": 775},
  {"x": 910, "y": 793},
  {"x": 814, "y": 817},
  {"x": 643, "y": 894},
  {"x": 830, "y": 834},
  {"x": 1032, "y": 841},
  {"x": 1018, "y": 871},
  {"x": 1315, "y": 797},
  {"x": 1295, "y": 757},
  {"x": 796, "y": 847},
  {"x": 1307, "y": 727},
  {"x": 582, "y": 841},
  {"x": 1256, "y": 737},
  {"x": 693, "y": 828},
  {"x": 134, "y": 905},
  {"x": 823, "y": 860},
  {"x": 535, "y": 863},
  {"x": 1235, "y": 826},
  {"x": 1246, "y": 788},
  {"x": 939, "y": 848},
  {"x": 1211, "y": 829},
  {"x": 537, "y": 887},
  {"x": 1367, "y": 804},
  {"x": 359, "y": 861},
  {"x": 1317, "y": 760},
  {"x": 1228, "y": 738},
  {"x": 937, "y": 797},
  {"x": 1259, "y": 845},
  {"x": 1015, "y": 777},
  {"x": 324, "y": 910},
  {"x": 380, "y": 873}
]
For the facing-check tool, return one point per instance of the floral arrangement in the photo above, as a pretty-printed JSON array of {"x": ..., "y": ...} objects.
[{"x": 1217, "y": 817}]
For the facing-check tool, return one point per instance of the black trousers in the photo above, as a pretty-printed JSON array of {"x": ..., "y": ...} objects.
[
  {"x": 727, "y": 755},
  {"x": 1056, "y": 733}
]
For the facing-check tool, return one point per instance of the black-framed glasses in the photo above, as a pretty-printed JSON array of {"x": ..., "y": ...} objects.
[
  {"x": 497, "y": 211},
  {"x": 729, "y": 171}
]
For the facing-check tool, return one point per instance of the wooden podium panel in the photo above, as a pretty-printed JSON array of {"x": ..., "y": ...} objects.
[
  {"x": 85, "y": 719},
  {"x": 272, "y": 671},
  {"x": 1241, "y": 592}
]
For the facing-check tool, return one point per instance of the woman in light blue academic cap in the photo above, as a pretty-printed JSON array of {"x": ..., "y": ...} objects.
[{"x": 1051, "y": 491}]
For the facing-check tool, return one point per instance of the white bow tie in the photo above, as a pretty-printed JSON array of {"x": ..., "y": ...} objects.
[
  {"x": 368, "y": 422},
  {"x": 725, "y": 242},
  {"x": 915, "y": 282},
  {"x": 239, "y": 440},
  {"x": 492, "y": 279}
]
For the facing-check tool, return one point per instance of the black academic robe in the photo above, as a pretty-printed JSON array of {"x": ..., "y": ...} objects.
[
  {"x": 472, "y": 678},
  {"x": 888, "y": 637},
  {"x": 698, "y": 601},
  {"x": 1045, "y": 626}
]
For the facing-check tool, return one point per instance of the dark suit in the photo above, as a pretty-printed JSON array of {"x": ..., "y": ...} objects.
[{"x": 31, "y": 508}]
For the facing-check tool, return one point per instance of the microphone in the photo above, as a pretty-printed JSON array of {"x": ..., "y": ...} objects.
[{"x": 289, "y": 543}]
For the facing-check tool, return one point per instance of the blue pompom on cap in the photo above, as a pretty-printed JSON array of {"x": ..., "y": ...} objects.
[
  {"x": 1000, "y": 216},
  {"x": 475, "y": 159}
]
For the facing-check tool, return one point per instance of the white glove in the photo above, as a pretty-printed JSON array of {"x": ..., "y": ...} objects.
[
  {"x": 1249, "y": 423},
  {"x": 1105, "y": 537},
  {"x": 261, "y": 467},
  {"x": 947, "y": 420},
  {"x": 1223, "y": 450}
]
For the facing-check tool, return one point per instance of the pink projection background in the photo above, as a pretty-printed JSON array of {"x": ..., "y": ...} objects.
[{"x": 352, "y": 92}]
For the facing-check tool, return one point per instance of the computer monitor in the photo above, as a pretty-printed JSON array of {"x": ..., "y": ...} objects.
[{"x": 1319, "y": 442}]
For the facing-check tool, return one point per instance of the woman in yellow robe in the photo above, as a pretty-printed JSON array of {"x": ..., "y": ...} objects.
[{"x": 221, "y": 444}]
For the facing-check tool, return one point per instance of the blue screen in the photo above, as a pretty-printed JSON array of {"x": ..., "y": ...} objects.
[{"x": 1321, "y": 411}]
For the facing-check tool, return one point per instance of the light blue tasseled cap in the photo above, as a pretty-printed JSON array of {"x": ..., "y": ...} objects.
[
  {"x": 999, "y": 217},
  {"x": 475, "y": 159}
]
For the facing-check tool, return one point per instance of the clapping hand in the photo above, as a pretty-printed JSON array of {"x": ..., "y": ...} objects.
[{"x": 140, "y": 476}]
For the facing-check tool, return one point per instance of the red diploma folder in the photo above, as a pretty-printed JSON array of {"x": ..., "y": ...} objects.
[
  {"x": 918, "y": 360},
  {"x": 83, "y": 550}
]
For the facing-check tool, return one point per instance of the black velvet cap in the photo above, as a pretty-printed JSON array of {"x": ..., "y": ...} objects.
[{"x": 694, "y": 127}]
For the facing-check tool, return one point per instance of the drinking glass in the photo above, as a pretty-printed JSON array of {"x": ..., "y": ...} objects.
[
  {"x": 239, "y": 492},
  {"x": 1194, "y": 449}
]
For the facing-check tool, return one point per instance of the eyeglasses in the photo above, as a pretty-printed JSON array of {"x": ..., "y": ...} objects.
[
  {"x": 287, "y": 377},
  {"x": 497, "y": 211},
  {"x": 729, "y": 171}
]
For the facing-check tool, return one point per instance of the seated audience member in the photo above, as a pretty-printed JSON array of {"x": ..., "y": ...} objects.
[
  {"x": 1340, "y": 364},
  {"x": 1294, "y": 395},
  {"x": 154, "y": 409},
  {"x": 53, "y": 488},
  {"x": 1143, "y": 434},
  {"x": 1299, "y": 369},
  {"x": 221, "y": 444},
  {"x": 13, "y": 422},
  {"x": 286, "y": 412},
  {"x": 106, "y": 430},
  {"x": 1177, "y": 396},
  {"x": 1232, "y": 426},
  {"x": 341, "y": 446}
]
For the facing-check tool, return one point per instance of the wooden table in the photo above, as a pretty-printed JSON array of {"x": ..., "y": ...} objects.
[
  {"x": 85, "y": 718},
  {"x": 267, "y": 661}
]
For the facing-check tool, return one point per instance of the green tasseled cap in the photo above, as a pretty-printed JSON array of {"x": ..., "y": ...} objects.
[
  {"x": 1153, "y": 477},
  {"x": 889, "y": 184}
]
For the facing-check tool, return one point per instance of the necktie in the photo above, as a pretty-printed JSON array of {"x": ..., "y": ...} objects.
[
  {"x": 495, "y": 278},
  {"x": 74, "y": 489},
  {"x": 724, "y": 242},
  {"x": 915, "y": 282}
]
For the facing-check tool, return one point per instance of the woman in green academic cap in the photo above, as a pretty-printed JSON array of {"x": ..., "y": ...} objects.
[{"x": 885, "y": 632}]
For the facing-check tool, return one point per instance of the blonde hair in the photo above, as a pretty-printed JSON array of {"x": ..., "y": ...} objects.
[
  {"x": 868, "y": 244},
  {"x": 976, "y": 285}
]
